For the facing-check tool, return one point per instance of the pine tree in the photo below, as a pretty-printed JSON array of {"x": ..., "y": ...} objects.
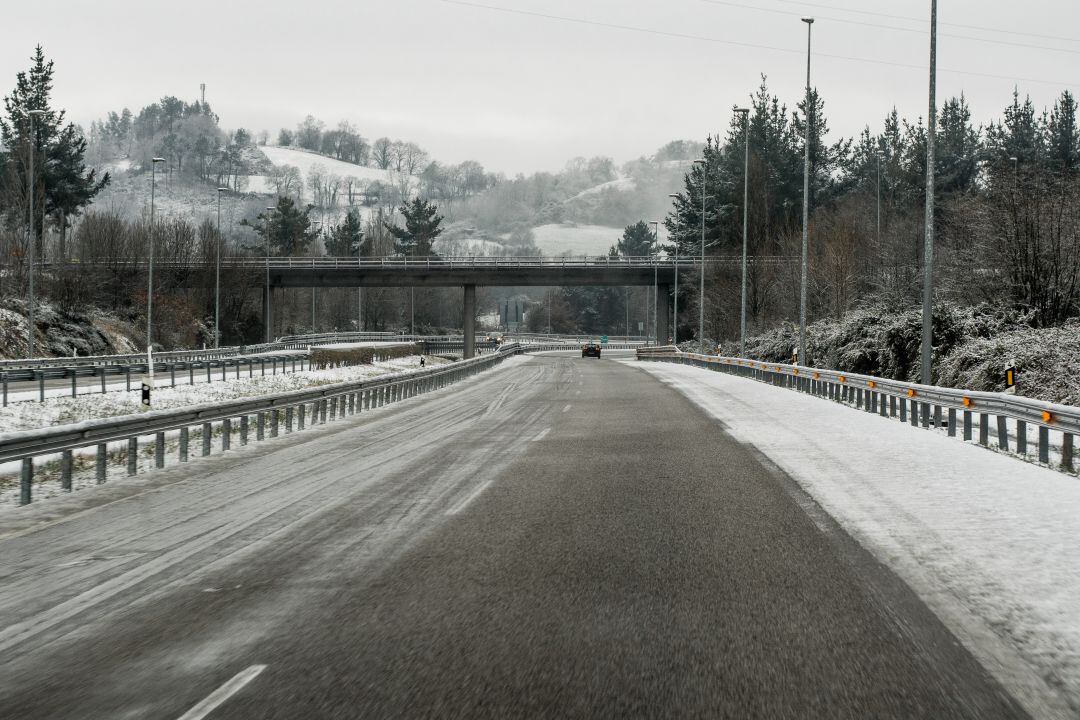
[
  {"x": 346, "y": 239},
  {"x": 637, "y": 240},
  {"x": 421, "y": 229},
  {"x": 288, "y": 227},
  {"x": 63, "y": 185}
]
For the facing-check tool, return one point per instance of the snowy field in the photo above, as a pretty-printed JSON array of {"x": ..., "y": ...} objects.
[
  {"x": 569, "y": 239},
  {"x": 63, "y": 410},
  {"x": 991, "y": 543},
  {"x": 305, "y": 161}
]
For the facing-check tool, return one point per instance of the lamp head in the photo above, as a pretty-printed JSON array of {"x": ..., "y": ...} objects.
[
  {"x": 157, "y": 160},
  {"x": 221, "y": 190},
  {"x": 673, "y": 196},
  {"x": 699, "y": 162},
  {"x": 35, "y": 113},
  {"x": 808, "y": 20},
  {"x": 745, "y": 111}
]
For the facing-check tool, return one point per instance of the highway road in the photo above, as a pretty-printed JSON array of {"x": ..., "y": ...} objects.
[{"x": 559, "y": 537}]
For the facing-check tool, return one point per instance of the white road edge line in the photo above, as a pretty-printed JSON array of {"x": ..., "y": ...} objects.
[
  {"x": 542, "y": 434},
  {"x": 223, "y": 693},
  {"x": 463, "y": 504}
]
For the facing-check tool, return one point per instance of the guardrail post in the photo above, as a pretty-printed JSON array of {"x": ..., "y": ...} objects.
[
  {"x": 262, "y": 364},
  {"x": 191, "y": 372},
  {"x": 914, "y": 410},
  {"x": 260, "y": 426},
  {"x": 1044, "y": 445},
  {"x": 1003, "y": 432},
  {"x": 133, "y": 455},
  {"x": 41, "y": 385},
  {"x": 903, "y": 410},
  {"x": 301, "y": 411},
  {"x": 159, "y": 450},
  {"x": 952, "y": 422},
  {"x": 1067, "y": 452},
  {"x": 1021, "y": 437},
  {"x": 352, "y": 403},
  {"x": 984, "y": 429},
  {"x": 207, "y": 437},
  {"x": 967, "y": 425},
  {"x": 65, "y": 471},
  {"x": 275, "y": 420},
  {"x": 226, "y": 434},
  {"x": 172, "y": 374},
  {"x": 102, "y": 379},
  {"x": 183, "y": 444},
  {"x": 127, "y": 373},
  {"x": 937, "y": 416},
  {"x": 251, "y": 368},
  {"x": 288, "y": 419},
  {"x": 26, "y": 481},
  {"x": 244, "y": 429},
  {"x": 74, "y": 379},
  {"x": 208, "y": 378},
  {"x": 4, "y": 380},
  {"x": 101, "y": 457},
  {"x": 333, "y": 408}
]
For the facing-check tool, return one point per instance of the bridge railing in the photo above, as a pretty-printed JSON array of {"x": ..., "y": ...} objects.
[
  {"x": 223, "y": 421},
  {"x": 470, "y": 262},
  {"x": 958, "y": 411}
]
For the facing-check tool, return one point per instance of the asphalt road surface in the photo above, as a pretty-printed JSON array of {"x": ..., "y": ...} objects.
[{"x": 560, "y": 537}]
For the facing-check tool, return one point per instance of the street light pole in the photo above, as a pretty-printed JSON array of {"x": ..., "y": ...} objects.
[
  {"x": 33, "y": 241},
  {"x": 879, "y": 200},
  {"x": 675, "y": 314},
  {"x": 928, "y": 250},
  {"x": 267, "y": 310},
  {"x": 655, "y": 283},
  {"x": 701, "y": 291},
  {"x": 746, "y": 199},
  {"x": 217, "y": 274},
  {"x": 803, "y": 360},
  {"x": 150, "y": 274}
]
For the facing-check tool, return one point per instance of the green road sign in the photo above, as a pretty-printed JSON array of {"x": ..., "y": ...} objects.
[{"x": 603, "y": 339}]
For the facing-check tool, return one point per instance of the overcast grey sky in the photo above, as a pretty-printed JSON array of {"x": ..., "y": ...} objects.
[{"x": 521, "y": 92}]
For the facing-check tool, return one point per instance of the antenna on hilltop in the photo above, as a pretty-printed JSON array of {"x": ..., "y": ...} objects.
[{"x": 202, "y": 89}]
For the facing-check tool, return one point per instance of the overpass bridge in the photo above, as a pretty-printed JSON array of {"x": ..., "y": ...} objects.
[{"x": 465, "y": 272}]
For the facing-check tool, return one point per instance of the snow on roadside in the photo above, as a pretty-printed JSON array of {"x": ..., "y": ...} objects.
[
  {"x": 63, "y": 410},
  {"x": 991, "y": 543}
]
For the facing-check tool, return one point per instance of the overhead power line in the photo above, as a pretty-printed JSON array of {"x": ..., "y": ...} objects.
[
  {"x": 737, "y": 43},
  {"x": 918, "y": 31},
  {"x": 966, "y": 26}
]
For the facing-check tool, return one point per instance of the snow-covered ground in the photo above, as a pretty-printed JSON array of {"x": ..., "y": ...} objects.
[
  {"x": 63, "y": 410},
  {"x": 570, "y": 239},
  {"x": 990, "y": 542},
  {"x": 305, "y": 161}
]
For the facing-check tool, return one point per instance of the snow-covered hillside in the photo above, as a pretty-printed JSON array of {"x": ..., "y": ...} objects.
[
  {"x": 305, "y": 161},
  {"x": 571, "y": 239}
]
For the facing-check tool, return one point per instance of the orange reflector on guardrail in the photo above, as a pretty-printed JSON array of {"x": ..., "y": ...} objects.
[
  {"x": 1048, "y": 417},
  {"x": 968, "y": 402},
  {"x": 795, "y": 371},
  {"x": 843, "y": 379},
  {"x": 911, "y": 392},
  {"x": 871, "y": 384},
  {"x": 817, "y": 376}
]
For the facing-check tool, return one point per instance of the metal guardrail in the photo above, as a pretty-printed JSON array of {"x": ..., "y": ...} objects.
[
  {"x": 164, "y": 355},
  {"x": 161, "y": 369},
  {"x": 927, "y": 405},
  {"x": 273, "y": 413}
]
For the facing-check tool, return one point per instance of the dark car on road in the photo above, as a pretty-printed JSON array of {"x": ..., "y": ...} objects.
[{"x": 590, "y": 350}]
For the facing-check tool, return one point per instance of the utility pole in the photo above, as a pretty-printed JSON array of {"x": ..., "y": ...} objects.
[
  {"x": 150, "y": 273},
  {"x": 33, "y": 241},
  {"x": 217, "y": 270},
  {"x": 803, "y": 359},
  {"x": 701, "y": 291},
  {"x": 675, "y": 314},
  {"x": 745, "y": 210},
  {"x": 266, "y": 312},
  {"x": 928, "y": 250},
  {"x": 655, "y": 279}
]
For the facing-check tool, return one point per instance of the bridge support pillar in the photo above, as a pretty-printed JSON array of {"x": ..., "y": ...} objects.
[
  {"x": 663, "y": 309},
  {"x": 469, "y": 321}
]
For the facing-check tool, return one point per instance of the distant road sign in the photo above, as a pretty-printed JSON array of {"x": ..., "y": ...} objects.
[{"x": 603, "y": 339}]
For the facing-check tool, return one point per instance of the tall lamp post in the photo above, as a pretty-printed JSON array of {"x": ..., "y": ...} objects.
[
  {"x": 701, "y": 290},
  {"x": 675, "y": 314},
  {"x": 34, "y": 114},
  {"x": 806, "y": 202},
  {"x": 319, "y": 226},
  {"x": 269, "y": 210},
  {"x": 928, "y": 250},
  {"x": 217, "y": 273},
  {"x": 150, "y": 274},
  {"x": 745, "y": 204},
  {"x": 655, "y": 284}
]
